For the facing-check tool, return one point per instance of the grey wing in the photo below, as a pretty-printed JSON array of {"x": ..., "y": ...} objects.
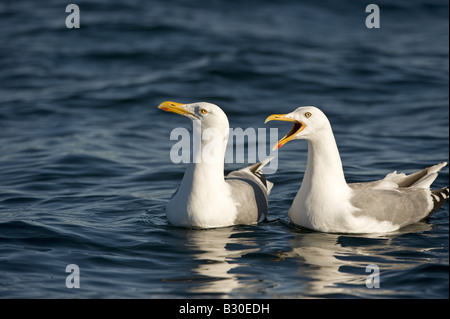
[
  {"x": 421, "y": 179},
  {"x": 401, "y": 206},
  {"x": 250, "y": 189},
  {"x": 251, "y": 199}
]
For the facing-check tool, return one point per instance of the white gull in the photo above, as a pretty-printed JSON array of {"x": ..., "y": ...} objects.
[
  {"x": 325, "y": 202},
  {"x": 205, "y": 198}
]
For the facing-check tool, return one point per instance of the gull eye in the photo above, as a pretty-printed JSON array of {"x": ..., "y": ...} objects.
[
  {"x": 308, "y": 114},
  {"x": 203, "y": 111}
]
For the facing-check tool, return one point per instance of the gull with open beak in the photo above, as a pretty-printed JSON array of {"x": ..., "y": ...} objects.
[
  {"x": 325, "y": 202},
  {"x": 205, "y": 198}
]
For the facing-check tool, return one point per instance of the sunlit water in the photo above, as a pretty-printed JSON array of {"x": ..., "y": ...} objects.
[{"x": 85, "y": 170}]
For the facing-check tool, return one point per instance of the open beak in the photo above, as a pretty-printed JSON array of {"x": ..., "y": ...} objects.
[
  {"x": 296, "y": 128},
  {"x": 177, "y": 108}
]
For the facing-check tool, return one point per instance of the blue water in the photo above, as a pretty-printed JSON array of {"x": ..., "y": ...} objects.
[{"x": 85, "y": 170}]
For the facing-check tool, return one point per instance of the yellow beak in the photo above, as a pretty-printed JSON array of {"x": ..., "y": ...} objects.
[
  {"x": 296, "y": 128},
  {"x": 174, "y": 107}
]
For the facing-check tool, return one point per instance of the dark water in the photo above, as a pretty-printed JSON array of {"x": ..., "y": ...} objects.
[{"x": 84, "y": 153}]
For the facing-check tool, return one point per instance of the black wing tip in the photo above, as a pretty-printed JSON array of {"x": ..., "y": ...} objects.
[
  {"x": 440, "y": 196},
  {"x": 255, "y": 169}
]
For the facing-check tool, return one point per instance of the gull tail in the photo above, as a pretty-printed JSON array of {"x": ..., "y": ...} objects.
[
  {"x": 440, "y": 196},
  {"x": 256, "y": 170},
  {"x": 423, "y": 178},
  {"x": 255, "y": 174}
]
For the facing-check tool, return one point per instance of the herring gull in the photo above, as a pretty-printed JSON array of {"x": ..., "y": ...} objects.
[
  {"x": 205, "y": 198},
  {"x": 326, "y": 203}
]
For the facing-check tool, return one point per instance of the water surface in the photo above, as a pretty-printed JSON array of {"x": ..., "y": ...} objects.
[{"x": 85, "y": 171}]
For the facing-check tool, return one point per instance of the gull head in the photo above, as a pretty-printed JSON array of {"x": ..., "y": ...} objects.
[
  {"x": 309, "y": 122},
  {"x": 210, "y": 115}
]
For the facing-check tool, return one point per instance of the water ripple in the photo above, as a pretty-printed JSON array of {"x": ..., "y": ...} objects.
[{"x": 85, "y": 172}]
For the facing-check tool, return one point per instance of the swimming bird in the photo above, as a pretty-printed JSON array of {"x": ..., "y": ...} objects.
[
  {"x": 326, "y": 203},
  {"x": 205, "y": 198}
]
